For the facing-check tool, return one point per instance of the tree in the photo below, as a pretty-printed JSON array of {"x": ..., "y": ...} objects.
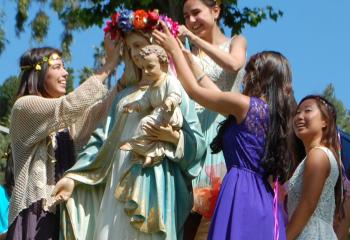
[
  {"x": 8, "y": 92},
  {"x": 70, "y": 80},
  {"x": 82, "y": 14},
  {"x": 343, "y": 117}
]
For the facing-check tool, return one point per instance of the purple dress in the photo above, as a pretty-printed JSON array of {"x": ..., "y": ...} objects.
[{"x": 244, "y": 209}]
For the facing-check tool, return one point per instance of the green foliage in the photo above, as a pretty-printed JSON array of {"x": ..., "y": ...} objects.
[
  {"x": 40, "y": 26},
  {"x": 22, "y": 15},
  {"x": 82, "y": 14},
  {"x": 4, "y": 143},
  {"x": 237, "y": 19},
  {"x": 343, "y": 117},
  {"x": 70, "y": 80},
  {"x": 8, "y": 92},
  {"x": 85, "y": 73},
  {"x": 3, "y": 40}
]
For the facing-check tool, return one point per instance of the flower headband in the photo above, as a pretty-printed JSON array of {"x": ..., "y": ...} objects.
[
  {"x": 128, "y": 20},
  {"x": 37, "y": 66}
]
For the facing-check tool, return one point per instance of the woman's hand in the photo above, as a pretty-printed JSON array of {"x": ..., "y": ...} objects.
[
  {"x": 170, "y": 44},
  {"x": 63, "y": 190},
  {"x": 162, "y": 133},
  {"x": 113, "y": 52},
  {"x": 184, "y": 32},
  {"x": 165, "y": 39},
  {"x": 113, "y": 49}
]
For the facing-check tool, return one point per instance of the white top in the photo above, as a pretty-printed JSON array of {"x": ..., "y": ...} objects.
[{"x": 320, "y": 225}]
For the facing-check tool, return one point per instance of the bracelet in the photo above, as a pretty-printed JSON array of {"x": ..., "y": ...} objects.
[{"x": 200, "y": 78}]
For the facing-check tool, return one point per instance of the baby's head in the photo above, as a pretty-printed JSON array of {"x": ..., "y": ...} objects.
[{"x": 154, "y": 61}]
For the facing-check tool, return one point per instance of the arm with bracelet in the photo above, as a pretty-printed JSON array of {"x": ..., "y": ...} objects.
[{"x": 202, "y": 79}]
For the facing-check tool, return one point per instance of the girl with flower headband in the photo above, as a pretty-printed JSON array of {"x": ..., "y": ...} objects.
[
  {"x": 222, "y": 60},
  {"x": 121, "y": 199},
  {"x": 41, "y": 150},
  {"x": 315, "y": 189}
]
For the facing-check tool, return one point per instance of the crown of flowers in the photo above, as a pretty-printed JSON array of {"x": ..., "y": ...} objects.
[
  {"x": 128, "y": 20},
  {"x": 37, "y": 66}
]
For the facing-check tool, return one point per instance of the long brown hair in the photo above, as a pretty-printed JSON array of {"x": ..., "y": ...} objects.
[
  {"x": 268, "y": 75},
  {"x": 330, "y": 138},
  {"x": 31, "y": 79}
]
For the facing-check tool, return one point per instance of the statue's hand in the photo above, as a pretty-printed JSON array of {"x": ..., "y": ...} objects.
[
  {"x": 63, "y": 190},
  {"x": 167, "y": 105},
  {"x": 162, "y": 133},
  {"x": 130, "y": 107}
]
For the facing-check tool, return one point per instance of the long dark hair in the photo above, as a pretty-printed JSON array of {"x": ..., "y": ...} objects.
[
  {"x": 31, "y": 79},
  {"x": 330, "y": 138},
  {"x": 268, "y": 75}
]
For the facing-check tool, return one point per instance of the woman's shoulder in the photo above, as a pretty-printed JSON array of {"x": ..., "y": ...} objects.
[
  {"x": 328, "y": 154},
  {"x": 26, "y": 102},
  {"x": 318, "y": 160},
  {"x": 238, "y": 40}
]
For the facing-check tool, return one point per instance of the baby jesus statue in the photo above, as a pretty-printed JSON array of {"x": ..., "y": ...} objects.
[{"x": 162, "y": 100}]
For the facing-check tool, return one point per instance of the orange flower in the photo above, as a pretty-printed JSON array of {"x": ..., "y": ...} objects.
[{"x": 140, "y": 19}]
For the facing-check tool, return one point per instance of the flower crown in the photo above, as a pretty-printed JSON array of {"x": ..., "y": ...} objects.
[
  {"x": 128, "y": 20},
  {"x": 37, "y": 66}
]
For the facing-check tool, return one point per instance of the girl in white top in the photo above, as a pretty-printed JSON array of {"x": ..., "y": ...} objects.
[{"x": 314, "y": 193}]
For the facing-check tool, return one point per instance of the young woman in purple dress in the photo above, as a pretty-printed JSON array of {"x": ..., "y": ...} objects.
[{"x": 254, "y": 139}]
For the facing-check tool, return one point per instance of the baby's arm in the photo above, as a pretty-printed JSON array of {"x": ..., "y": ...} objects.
[
  {"x": 172, "y": 101},
  {"x": 173, "y": 98}
]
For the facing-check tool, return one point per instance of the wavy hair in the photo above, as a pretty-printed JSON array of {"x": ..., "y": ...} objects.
[{"x": 268, "y": 75}]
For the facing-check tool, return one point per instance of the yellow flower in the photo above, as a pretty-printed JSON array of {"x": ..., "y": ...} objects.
[
  {"x": 53, "y": 57},
  {"x": 37, "y": 67}
]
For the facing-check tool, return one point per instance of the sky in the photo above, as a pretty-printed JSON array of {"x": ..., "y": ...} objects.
[{"x": 314, "y": 35}]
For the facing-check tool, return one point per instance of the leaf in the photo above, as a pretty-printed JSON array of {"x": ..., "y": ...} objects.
[
  {"x": 67, "y": 39},
  {"x": 40, "y": 26},
  {"x": 57, "y": 5},
  {"x": 22, "y": 15}
]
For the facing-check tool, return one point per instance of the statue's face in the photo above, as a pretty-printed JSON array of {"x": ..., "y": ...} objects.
[
  {"x": 135, "y": 42},
  {"x": 151, "y": 67}
]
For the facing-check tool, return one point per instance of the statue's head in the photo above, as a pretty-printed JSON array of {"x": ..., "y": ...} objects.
[
  {"x": 153, "y": 62},
  {"x": 136, "y": 27}
]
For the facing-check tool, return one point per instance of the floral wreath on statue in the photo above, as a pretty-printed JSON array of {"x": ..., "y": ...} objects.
[{"x": 127, "y": 20}]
